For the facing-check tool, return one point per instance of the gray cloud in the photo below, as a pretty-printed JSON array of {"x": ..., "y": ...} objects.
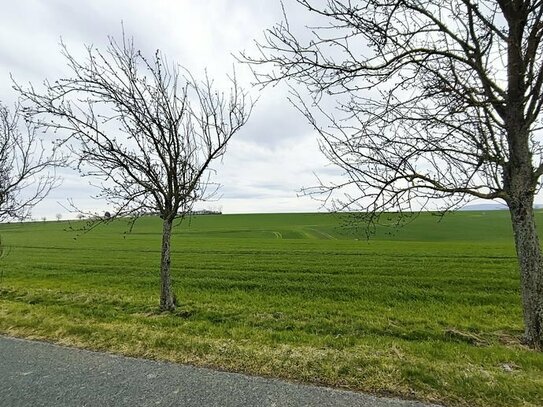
[{"x": 275, "y": 121}]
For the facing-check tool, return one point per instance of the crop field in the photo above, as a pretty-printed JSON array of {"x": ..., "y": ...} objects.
[{"x": 429, "y": 312}]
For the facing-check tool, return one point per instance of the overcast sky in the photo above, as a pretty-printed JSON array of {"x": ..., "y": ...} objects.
[{"x": 269, "y": 161}]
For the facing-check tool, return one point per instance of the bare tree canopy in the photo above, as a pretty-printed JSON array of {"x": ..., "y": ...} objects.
[
  {"x": 26, "y": 170},
  {"x": 434, "y": 101},
  {"x": 148, "y": 130}
]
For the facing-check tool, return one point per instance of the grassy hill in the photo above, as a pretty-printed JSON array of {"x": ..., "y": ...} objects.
[
  {"x": 431, "y": 311},
  {"x": 492, "y": 226}
]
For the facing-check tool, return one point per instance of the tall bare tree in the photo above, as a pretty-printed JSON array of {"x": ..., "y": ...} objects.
[
  {"x": 435, "y": 101},
  {"x": 147, "y": 129},
  {"x": 26, "y": 169}
]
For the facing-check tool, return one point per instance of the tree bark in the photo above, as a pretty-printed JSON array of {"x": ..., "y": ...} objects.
[
  {"x": 530, "y": 267},
  {"x": 167, "y": 297}
]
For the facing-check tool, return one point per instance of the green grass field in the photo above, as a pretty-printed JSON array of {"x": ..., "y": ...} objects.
[{"x": 430, "y": 312}]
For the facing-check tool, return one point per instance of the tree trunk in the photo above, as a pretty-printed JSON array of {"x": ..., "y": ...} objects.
[
  {"x": 167, "y": 297},
  {"x": 531, "y": 269}
]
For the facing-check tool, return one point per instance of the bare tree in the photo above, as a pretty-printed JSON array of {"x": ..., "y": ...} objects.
[
  {"x": 147, "y": 129},
  {"x": 433, "y": 101},
  {"x": 59, "y": 217},
  {"x": 26, "y": 170}
]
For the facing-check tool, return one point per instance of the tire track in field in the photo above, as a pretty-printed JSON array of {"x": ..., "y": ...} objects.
[{"x": 326, "y": 235}]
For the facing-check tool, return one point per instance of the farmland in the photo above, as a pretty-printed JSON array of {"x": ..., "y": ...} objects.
[{"x": 430, "y": 312}]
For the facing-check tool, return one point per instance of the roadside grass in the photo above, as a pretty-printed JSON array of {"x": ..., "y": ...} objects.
[{"x": 431, "y": 312}]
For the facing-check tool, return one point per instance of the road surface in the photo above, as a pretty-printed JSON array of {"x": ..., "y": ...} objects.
[{"x": 42, "y": 374}]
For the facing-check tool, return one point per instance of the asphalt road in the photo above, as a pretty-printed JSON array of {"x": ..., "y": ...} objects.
[{"x": 42, "y": 374}]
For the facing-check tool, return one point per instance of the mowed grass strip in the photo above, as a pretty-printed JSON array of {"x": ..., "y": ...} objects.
[{"x": 430, "y": 312}]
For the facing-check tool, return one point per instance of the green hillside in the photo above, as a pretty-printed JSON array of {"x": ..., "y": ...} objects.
[{"x": 491, "y": 226}]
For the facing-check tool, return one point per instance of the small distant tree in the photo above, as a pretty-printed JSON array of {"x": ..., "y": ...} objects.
[
  {"x": 147, "y": 129},
  {"x": 43, "y": 218},
  {"x": 26, "y": 171},
  {"x": 58, "y": 216},
  {"x": 80, "y": 216}
]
